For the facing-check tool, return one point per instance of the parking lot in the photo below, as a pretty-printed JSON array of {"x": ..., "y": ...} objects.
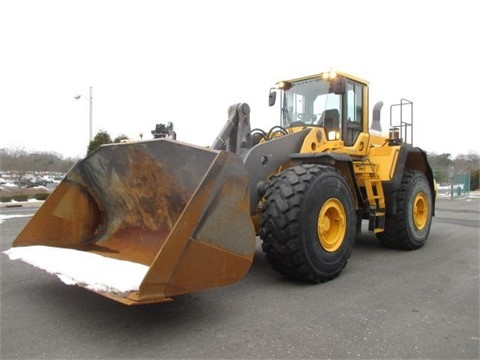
[{"x": 386, "y": 304}]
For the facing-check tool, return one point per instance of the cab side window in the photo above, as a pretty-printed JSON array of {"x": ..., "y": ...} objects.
[{"x": 354, "y": 112}]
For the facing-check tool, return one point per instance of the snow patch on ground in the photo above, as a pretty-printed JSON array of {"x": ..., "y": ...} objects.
[{"x": 6, "y": 217}]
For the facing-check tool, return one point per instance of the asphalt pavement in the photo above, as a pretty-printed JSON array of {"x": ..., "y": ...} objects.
[{"x": 386, "y": 304}]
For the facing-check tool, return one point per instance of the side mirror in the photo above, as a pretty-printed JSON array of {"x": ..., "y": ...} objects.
[
  {"x": 272, "y": 96},
  {"x": 339, "y": 85}
]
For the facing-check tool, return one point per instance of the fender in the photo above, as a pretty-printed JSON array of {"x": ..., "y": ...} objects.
[
  {"x": 409, "y": 158},
  {"x": 342, "y": 162}
]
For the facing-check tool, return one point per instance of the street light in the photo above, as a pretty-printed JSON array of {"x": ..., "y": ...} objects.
[{"x": 90, "y": 103}]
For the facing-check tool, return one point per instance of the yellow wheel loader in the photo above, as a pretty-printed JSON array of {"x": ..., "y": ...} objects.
[{"x": 173, "y": 218}]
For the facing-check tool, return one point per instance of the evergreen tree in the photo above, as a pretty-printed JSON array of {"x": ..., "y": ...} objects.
[{"x": 100, "y": 139}]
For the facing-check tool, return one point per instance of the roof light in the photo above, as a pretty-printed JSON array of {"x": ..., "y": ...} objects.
[
  {"x": 283, "y": 85},
  {"x": 329, "y": 75}
]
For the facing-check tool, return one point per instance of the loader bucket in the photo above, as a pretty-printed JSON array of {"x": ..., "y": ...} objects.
[{"x": 179, "y": 212}]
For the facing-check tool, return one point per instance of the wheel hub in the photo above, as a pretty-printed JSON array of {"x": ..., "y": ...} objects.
[
  {"x": 331, "y": 226},
  {"x": 420, "y": 211}
]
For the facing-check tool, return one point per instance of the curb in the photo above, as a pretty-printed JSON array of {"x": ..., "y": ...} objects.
[{"x": 35, "y": 204}]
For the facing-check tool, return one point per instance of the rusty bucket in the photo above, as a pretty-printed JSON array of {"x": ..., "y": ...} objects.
[{"x": 176, "y": 212}]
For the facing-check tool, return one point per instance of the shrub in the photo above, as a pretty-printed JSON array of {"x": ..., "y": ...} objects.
[
  {"x": 20, "y": 197},
  {"x": 41, "y": 196},
  {"x": 5, "y": 199}
]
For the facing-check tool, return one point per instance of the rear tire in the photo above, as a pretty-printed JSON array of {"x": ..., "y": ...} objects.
[
  {"x": 409, "y": 228},
  {"x": 308, "y": 223}
]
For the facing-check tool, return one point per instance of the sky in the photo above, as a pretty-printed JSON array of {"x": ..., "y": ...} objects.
[{"x": 187, "y": 61}]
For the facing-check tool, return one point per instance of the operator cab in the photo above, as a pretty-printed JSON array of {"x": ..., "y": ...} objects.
[{"x": 331, "y": 100}]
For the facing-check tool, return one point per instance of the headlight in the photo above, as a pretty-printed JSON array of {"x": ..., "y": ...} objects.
[{"x": 333, "y": 135}]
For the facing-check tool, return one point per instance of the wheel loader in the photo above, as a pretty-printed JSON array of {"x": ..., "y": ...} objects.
[{"x": 174, "y": 218}]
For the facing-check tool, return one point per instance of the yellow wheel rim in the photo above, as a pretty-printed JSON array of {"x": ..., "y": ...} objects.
[
  {"x": 331, "y": 225},
  {"x": 420, "y": 211}
]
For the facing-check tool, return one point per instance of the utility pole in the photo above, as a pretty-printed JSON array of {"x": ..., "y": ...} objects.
[{"x": 90, "y": 112}]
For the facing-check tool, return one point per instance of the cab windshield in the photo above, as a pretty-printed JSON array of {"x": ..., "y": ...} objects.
[{"x": 306, "y": 101}]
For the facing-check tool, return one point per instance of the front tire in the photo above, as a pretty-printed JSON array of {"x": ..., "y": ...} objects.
[
  {"x": 409, "y": 228},
  {"x": 308, "y": 223}
]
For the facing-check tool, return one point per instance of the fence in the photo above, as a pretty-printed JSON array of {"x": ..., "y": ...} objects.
[{"x": 458, "y": 186}]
